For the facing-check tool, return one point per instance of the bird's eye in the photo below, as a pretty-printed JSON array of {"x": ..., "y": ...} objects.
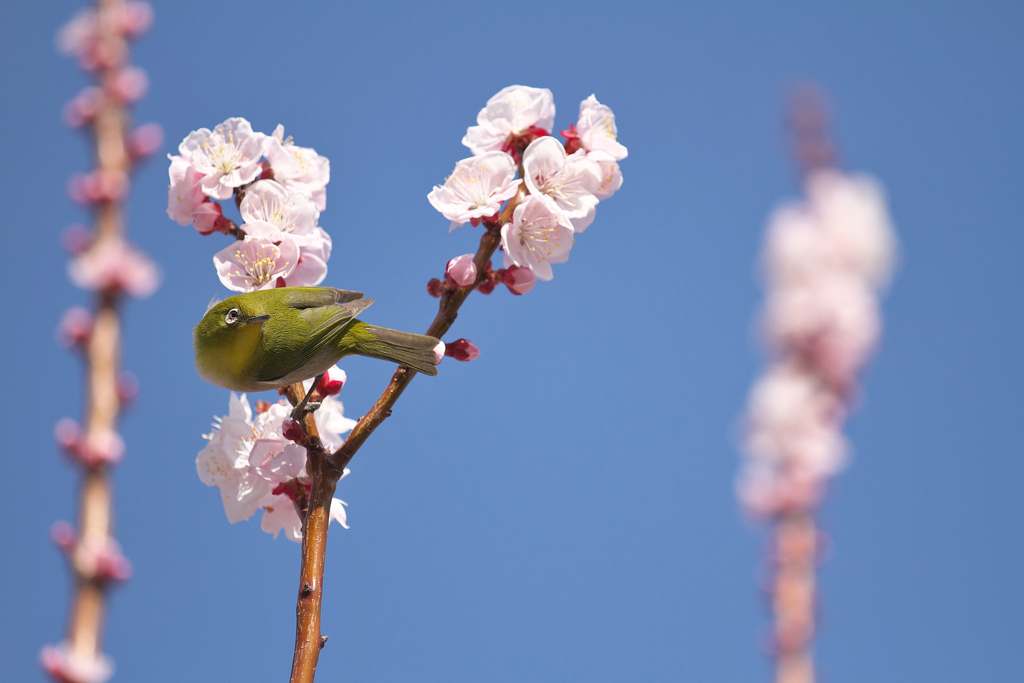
[{"x": 231, "y": 317}]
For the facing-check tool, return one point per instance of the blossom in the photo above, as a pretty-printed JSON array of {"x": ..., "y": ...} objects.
[
  {"x": 300, "y": 169},
  {"x": 114, "y": 265},
  {"x": 596, "y": 129},
  {"x": 284, "y": 213},
  {"x": 538, "y": 236},
  {"x": 227, "y": 157},
  {"x": 311, "y": 268},
  {"x": 611, "y": 174},
  {"x": 476, "y": 188},
  {"x": 513, "y": 111},
  {"x": 568, "y": 181},
  {"x": 64, "y": 664},
  {"x": 184, "y": 194},
  {"x": 255, "y": 263}
]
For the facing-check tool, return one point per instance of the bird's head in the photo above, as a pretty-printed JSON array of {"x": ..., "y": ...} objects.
[{"x": 236, "y": 317}]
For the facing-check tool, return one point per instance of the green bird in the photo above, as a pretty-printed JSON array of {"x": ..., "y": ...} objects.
[{"x": 276, "y": 337}]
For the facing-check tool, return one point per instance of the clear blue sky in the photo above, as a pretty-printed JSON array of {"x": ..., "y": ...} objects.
[{"x": 562, "y": 508}]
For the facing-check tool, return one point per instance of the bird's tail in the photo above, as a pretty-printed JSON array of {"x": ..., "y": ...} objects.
[{"x": 417, "y": 351}]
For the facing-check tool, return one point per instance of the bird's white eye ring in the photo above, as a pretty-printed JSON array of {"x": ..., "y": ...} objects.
[{"x": 231, "y": 317}]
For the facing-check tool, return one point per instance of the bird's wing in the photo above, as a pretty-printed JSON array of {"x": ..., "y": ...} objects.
[
  {"x": 320, "y": 326},
  {"x": 314, "y": 297}
]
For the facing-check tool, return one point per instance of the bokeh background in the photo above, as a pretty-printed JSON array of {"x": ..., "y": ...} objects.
[{"x": 561, "y": 509}]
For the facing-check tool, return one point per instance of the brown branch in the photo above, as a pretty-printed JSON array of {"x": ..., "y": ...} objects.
[
  {"x": 793, "y": 591},
  {"x": 325, "y": 469}
]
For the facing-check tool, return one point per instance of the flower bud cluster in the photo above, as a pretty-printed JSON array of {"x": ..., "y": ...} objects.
[
  {"x": 258, "y": 461},
  {"x": 826, "y": 259},
  {"x": 554, "y": 186},
  {"x": 280, "y": 190},
  {"x": 92, "y": 450}
]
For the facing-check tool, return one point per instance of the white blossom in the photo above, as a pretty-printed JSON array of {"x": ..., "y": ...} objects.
[
  {"x": 476, "y": 188},
  {"x": 568, "y": 181},
  {"x": 513, "y": 111},
  {"x": 227, "y": 157},
  {"x": 538, "y": 236}
]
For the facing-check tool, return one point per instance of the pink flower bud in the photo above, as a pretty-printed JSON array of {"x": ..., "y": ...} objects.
[
  {"x": 145, "y": 140},
  {"x": 519, "y": 280},
  {"x": 486, "y": 287},
  {"x": 82, "y": 109},
  {"x": 75, "y": 328},
  {"x": 128, "y": 85},
  {"x": 113, "y": 265},
  {"x": 102, "y": 448},
  {"x": 68, "y": 435},
  {"x": 76, "y": 238},
  {"x": 127, "y": 388},
  {"x": 292, "y": 431},
  {"x": 137, "y": 18},
  {"x": 208, "y": 217},
  {"x": 462, "y": 349},
  {"x": 461, "y": 271},
  {"x": 435, "y": 288},
  {"x": 63, "y": 535},
  {"x": 68, "y": 667},
  {"x": 333, "y": 381}
]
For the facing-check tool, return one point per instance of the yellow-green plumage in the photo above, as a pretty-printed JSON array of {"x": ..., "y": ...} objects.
[{"x": 275, "y": 337}]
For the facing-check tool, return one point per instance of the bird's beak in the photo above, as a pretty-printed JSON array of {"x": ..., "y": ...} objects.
[{"x": 259, "y": 318}]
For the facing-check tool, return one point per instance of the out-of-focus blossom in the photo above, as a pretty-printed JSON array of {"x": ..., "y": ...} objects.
[
  {"x": 98, "y": 186},
  {"x": 255, "y": 263},
  {"x": 75, "y": 328},
  {"x": 476, "y": 188},
  {"x": 300, "y": 169},
  {"x": 83, "y": 107},
  {"x": 78, "y": 35},
  {"x": 64, "y": 665},
  {"x": 227, "y": 157},
  {"x": 461, "y": 271},
  {"x": 114, "y": 265},
  {"x": 596, "y": 129},
  {"x": 77, "y": 238},
  {"x": 145, "y": 140},
  {"x": 128, "y": 85},
  {"x": 538, "y": 236},
  {"x": 101, "y": 558},
  {"x": 184, "y": 194},
  {"x": 568, "y": 181},
  {"x": 512, "y": 112}
]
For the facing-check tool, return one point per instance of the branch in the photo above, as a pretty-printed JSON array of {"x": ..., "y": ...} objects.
[{"x": 325, "y": 469}]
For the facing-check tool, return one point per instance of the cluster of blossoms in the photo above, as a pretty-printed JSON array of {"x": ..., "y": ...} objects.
[
  {"x": 556, "y": 186},
  {"x": 280, "y": 190},
  {"x": 257, "y": 464},
  {"x": 826, "y": 259}
]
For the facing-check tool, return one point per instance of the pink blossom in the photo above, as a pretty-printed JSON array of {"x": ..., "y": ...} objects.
[
  {"x": 476, "y": 188},
  {"x": 511, "y": 112},
  {"x": 290, "y": 213},
  {"x": 227, "y": 157},
  {"x": 66, "y": 666},
  {"x": 82, "y": 109},
  {"x": 569, "y": 182},
  {"x": 185, "y": 194},
  {"x": 98, "y": 186},
  {"x": 538, "y": 236},
  {"x": 101, "y": 558},
  {"x": 299, "y": 169},
  {"x": 77, "y": 238},
  {"x": 255, "y": 263},
  {"x": 596, "y": 129},
  {"x": 113, "y": 265},
  {"x": 461, "y": 271},
  {"x": 311, "y": 268}
]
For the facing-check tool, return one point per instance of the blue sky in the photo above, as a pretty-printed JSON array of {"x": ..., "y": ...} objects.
[{"x": 562, "y": 508}]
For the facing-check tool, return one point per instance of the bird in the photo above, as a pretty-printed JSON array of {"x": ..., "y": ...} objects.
[{"x": 272, "y": 338}]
